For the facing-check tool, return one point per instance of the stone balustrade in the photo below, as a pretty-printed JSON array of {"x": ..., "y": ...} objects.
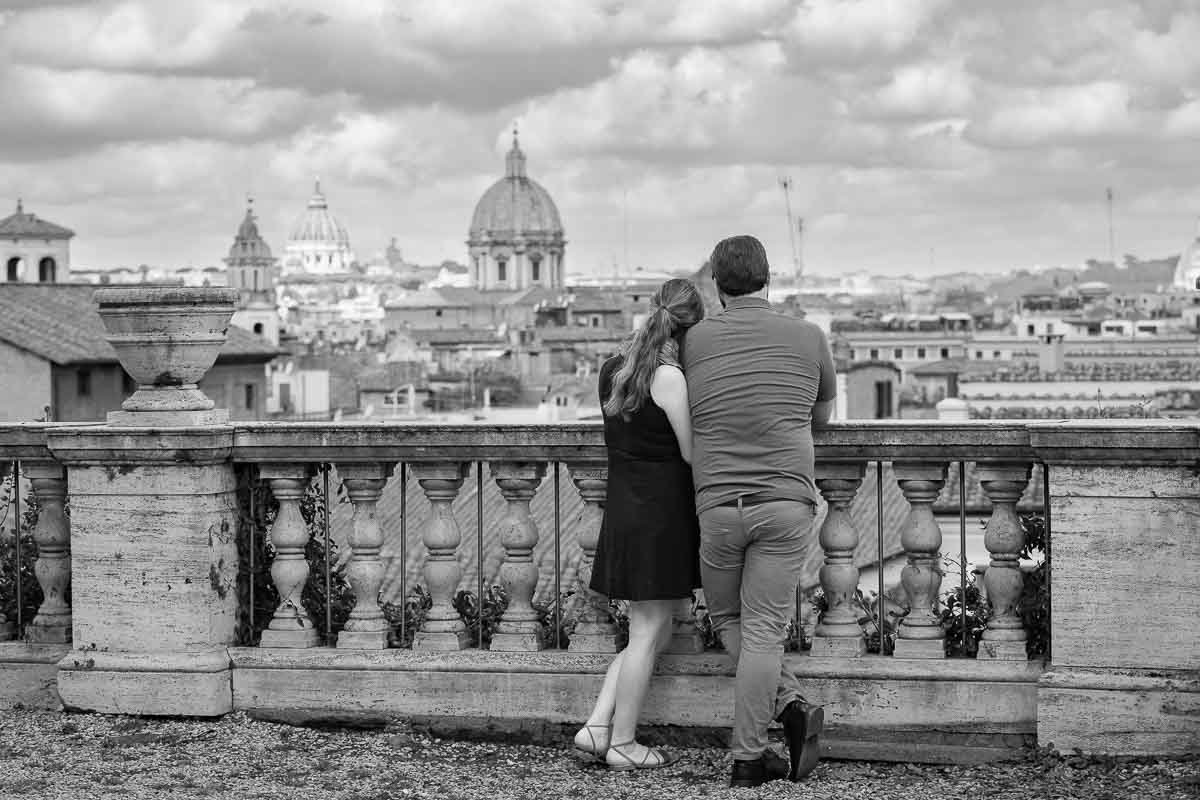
[{"x": 150, "y": 514}]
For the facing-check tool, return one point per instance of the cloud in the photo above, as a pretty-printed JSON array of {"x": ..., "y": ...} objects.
[{"x": 144, "y": 124}]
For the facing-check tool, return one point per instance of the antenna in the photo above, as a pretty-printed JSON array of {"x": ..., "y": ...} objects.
[
  {"x": 625, "y": 223},
  {"x": 1112, "y": 248},
  {"x": 786, "y": 184}
]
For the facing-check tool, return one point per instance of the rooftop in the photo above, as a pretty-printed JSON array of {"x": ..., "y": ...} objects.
[
  {"x": 28, "y": 226},
  {"x": 60, "y": 323}
]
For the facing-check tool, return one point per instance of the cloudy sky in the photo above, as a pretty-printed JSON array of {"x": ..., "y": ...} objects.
[{"x": 919, "y": 134}]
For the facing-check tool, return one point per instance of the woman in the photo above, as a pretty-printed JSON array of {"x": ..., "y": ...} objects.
[{"x": 648, "y": 552}]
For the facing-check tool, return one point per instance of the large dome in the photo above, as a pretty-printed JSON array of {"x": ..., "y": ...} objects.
[
  {"x": 317, "y": 224},
  {"x": 515, "y": 205},
  {"x": 1187, "y": 271}
]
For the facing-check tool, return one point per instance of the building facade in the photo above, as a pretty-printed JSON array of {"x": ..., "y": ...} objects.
[
  {"x": 33, "y": 250},
  {"x": 516, "y": 237}
]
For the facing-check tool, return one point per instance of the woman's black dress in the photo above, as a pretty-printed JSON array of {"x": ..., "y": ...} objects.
[{"x": 649, "y": 546}]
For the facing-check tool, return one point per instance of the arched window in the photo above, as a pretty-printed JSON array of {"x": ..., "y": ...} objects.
[
  {"x": 46, "y": 270},
  {"x": 501, "y": 269},
  {"x": 258, "y": 328},
  {"x": 535, "y": 269},
  {"x": 13, "y": 272}
]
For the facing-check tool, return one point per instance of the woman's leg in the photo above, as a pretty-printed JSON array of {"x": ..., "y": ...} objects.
[
  {"x": 602, "y": 712},
  {"x": 649, "y": 632}
]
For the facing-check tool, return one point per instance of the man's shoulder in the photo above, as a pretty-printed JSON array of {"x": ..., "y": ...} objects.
[{"x": 795, "y": 324}]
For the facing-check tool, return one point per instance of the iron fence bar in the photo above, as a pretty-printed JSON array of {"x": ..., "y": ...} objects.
[
  {"x": 403, "y": 552},
  {"x": 557, "y": 561},
  {"x": 328, "y": 572},
  {"x": 16, "y": 471},
  {"x": 962, "y": 548},
  {"x": 253, "y": 544},
  {"x": 1046, "y": 552},
  {"x": 479, "y": 545},
  {"x": 879, "y": 551}
]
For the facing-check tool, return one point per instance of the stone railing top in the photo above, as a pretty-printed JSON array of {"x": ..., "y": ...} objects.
[
  {"x": 1118, "y": 442},
  {"x": 26, "y": 441}
]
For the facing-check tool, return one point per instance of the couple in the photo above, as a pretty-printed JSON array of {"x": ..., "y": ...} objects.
[{"x": 708, "y": 424}]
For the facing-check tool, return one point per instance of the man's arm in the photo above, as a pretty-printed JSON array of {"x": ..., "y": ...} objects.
[
  {"x": 822, "y": 409},
  {"x": 827, "y": 388}
]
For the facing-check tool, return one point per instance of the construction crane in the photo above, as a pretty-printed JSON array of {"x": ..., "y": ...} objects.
[{"x": 795, "y": 229}]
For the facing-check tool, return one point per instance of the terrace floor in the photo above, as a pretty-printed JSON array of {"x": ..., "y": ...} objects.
[{"x": 53, "y": 755}]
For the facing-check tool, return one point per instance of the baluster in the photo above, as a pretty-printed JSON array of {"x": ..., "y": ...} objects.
[
  {"x": 366, "y": 628},
  {"x": 443, "y": 629},
  {"x": 920, "y": 633},
  {"x": 595, "y": 632},
  {"x": 53, "y": 566},
  {"x": 291, "y": 626},
  {"x": 519, "y": 626},
  {"x": 838, "y": 632},
  {"x": 1004, "y": 638}
]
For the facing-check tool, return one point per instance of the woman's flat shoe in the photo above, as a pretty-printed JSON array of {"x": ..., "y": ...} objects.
[
  {"x": 593, "y": 746},
  {"x": 653, "y": 758}
]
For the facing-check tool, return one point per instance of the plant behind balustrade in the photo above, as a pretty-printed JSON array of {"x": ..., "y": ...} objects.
[{"x": 31, "y": 591}]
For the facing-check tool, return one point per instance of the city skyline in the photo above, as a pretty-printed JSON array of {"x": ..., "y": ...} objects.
[{"x": 920, "y": 136}]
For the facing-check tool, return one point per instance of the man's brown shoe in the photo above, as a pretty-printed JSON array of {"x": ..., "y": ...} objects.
[{"x": 802, "y": 725}]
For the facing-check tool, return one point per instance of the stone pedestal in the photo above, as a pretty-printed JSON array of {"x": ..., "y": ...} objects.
[
  {"x": 153, "y": 569},
  {"x": 1125, "y": 671}
]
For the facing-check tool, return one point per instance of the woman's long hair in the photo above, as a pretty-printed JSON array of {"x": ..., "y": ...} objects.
[{"x": 675, "y": 307}]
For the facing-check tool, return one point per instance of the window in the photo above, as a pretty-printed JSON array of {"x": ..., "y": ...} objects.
[
  {"x": 83, "y": 383},
  {"x": 595, "y": 322},
  {"x": 920, "y": 352},
  {"x": 996, "y": 354},
  {"x": 1030, "y": 329},
  {"x": 853, "y": 355},
  {"x": 46, "y": 270},
  {"x": 249, "y": 396},
  {"x": 978, "y": 354},
  {"x": 13, "y": 272},
  {"x": 898, "y": 352},
  {"x": 438, "y": 313},
  {"x": 501, "y": 270},
  {"x": 535, "y": 269},
  {"x": 944, "y": 352},
  {"x": 874, "y": 353},
  {"x": 883, "y": 399},
  {"x": 258, "y": 328}
]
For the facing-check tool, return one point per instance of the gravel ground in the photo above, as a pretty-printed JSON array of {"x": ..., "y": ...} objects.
[{"x": 84, "y": 756}]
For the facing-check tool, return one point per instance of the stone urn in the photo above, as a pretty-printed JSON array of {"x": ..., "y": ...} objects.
[{"x": 167, "y": 338}]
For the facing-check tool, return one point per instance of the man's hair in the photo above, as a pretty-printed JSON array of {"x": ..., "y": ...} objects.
[{"x": 739, "y": 265}]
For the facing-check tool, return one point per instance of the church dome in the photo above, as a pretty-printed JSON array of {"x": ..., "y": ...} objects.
[
  {"x": 1187, "y": 271},
  {"x": 317, "y": 224},
  {"x": 248, "y": 243},
  {"x": 515, "y": 205}
]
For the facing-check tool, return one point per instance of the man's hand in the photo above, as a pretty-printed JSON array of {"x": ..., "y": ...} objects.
[{"x": 822, "y": 409}]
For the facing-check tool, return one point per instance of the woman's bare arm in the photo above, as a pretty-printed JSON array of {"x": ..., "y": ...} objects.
[{"x": 669, "y": 392}]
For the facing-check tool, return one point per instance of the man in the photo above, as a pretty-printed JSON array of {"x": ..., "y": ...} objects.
[{"x": 757, "y": 382}]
